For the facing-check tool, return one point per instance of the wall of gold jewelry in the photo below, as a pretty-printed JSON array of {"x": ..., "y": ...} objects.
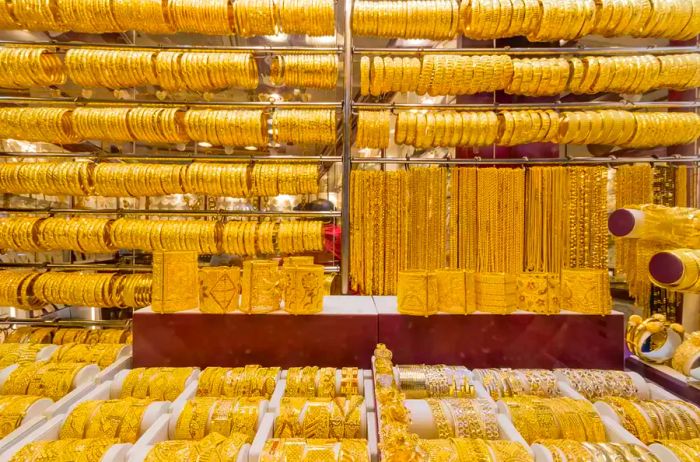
[
  {"x": 530, "y": 143},
  {"x": 213, "y": 127}
]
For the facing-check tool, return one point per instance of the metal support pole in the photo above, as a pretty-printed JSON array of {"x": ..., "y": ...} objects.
[{"x": 347, "y": 165}]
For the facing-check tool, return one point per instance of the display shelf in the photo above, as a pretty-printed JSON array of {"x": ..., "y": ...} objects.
[
  {"x": 518, "y": 340},
  {"x": 612, "y": 160},
  {"x": 527, "y": 51},
  {"x": 667, "y": 378},
  {"x": 344, "y": 334}
]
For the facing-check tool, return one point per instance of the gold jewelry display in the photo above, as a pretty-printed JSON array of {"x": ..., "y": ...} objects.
[
  {"x": 307, "y": 71},
  {"x": 322, "y": 450},
  {"x": 218, "y": 17},
  {"x": 101, "y": 235},
  {"x": 373, "y": 129},
  {"x": 584, "y": 451},
  {"x": 335, "y": 418},
  {"x": 496, "y": 293},
  {"x": 586, "y": 291},
  {"x": 543, "y": 21},
  {"x": 24, "y": 67},
  {"x": 227, "y": 127},
  {"x": 205, "y": 415},
  {"x": 212, "y": 447},
  {"x": 18, "y": 353},
  {"x": 90, "y": 450},
  {"x": 238, "y": 381},
  {"x": 510, "y": 382},
  {"x": 439, "y": 381},
  {"x": 456, "y": 291},
  {"x": 659, "y": 330},
  {"x": 25, "y": 334},
  {"x": 669, "y": 419},
  {"x": 260, "y": 287},
  {"x": 102, "y": 354},
  {"x": 555, "y": 418},
  {"x": 12, "y": 412},
  {"x": 50, "y": 380},
  {"x": 685, "y": 450},
  {"x": 155, "y": 383},
  {"x": 118, "y": 418},
  {"x": 417, "y": 293},
  {"x": 593, "y": 383},
  {"x": 303, "y": 289},
  {"x": 304, "y": 126},
  {"x": 219, "y": 289},
  {"x": 683, "y": 354},
  {"x": 538, "y": 292}
]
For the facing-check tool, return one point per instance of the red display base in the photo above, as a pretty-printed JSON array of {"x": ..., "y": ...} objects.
[
  {"x": 345, "y": 335},
  {"x": 520, "y": 340}
]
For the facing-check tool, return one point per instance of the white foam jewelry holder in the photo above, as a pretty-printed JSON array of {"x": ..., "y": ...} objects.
[
  {"x": 665, "y": 351},
  {"x": 266, "y": 432},
  {"x": 663, "y": 453},
  {"x": 83, "y": 383},
  {"x": 364, "y": 388},
  {"x": 188, "y": 392},
  {"x": 49, "y": 431},
  {"x": 123, "y": 361},
  {"x": 45, "y": 353}
]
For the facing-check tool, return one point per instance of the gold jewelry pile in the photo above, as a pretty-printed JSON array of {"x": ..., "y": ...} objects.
[
  {"x": 115, "y": 418},
  {"x": 47, "y": 335},
  {"x": 543, "y": 21},
  {"x": 103, "y": 235},
  {"x": 17, "y": 353},
  {"x": 31, "y": 290},
  {"x": 373, "y": 129},
  {"x": 228, "y": 417},
  {"x": 310, "y": 71},
  {"x": 220, "y": 127},
  {"x": 659, "y": 331},
  {"x": 509, "y": 128},
  {"x": 685, "y": 450},
  {"x": 651, "y": 420},
  {"x": 230, "y": 382},
  {"x": 685, "y": 355},
  {"x": 595, "y": 383},
  {"x": 102, "y": 354},
  {"x": 315, "y": 382},
  {"x": 585, "y": 451},
  {"x": 296, "y": 449},
  {"x": 169, "y": 70},
  {"x": 136, "y": 180},
  {"x": 24, "y": 67},
  {"x": 551, "y": 418},
  {"x": 214, "y": 17},
  {"x": 13, "y": 410},
  {"x": 470, "y": 449},
  {"x": 92, "y": 450},
  {"x": 50, "y": 380},
  {"x": 398, "y": 221},
  {"x": 471, "y": 418},
  {"x": 332, "y": 418},
  {"x": 211, "y": 447},
  {"x": 156, "y": 383},
  {"x": 513, "y": 382}
]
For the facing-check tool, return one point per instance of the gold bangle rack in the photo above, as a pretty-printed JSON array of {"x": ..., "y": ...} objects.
[{"x": 476, "y": 161}]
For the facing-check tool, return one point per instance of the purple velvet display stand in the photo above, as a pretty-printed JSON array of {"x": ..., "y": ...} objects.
[
  {"x": 345, "y": 335},
  {"x": 521, "y": 340},
  {"x": 674, "y": 385}
]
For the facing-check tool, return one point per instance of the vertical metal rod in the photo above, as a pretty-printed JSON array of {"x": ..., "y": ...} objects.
[{"x": 347, "y": 165}]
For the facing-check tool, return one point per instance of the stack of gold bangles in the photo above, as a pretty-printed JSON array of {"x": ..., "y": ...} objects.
[
  {"x": 546, "y": 20},
  {"x": 13, "y": 410},
  {"x": 596, "y": 383},
  {"x": 373, "y": 129},
  {"x": 513, "y": 382},
  {"x": 217, "y": 17},
  {"x": 30, "y": 67},
  {"x": 101, "y": 235},
  {"x": 584, "y": 451},
  {"x": 91, "y": 336},
  {"x": 18, "y": 353},
  {"x": 437, "y": 74},
  {"x": 102, "y": 354},
  {"x": 685, "y": 356},
  {"x": 311, "y": 71},
  {"x": 651, "y": 420},
  {"x": 555, "y": 418},
  {"x": 212, "y": 447},
  {"x": 686, "y": 451},
  {"x": 312, "y": 381},
  {"x": 226, "y": 416},
  {"x": 110, "y": 290},
  {"x": 250, "y": 380},
  {"x": 50, "y": 380},
  {"x": 116, "y": 418},
  {"x": 438, "y": 381},
  {"x": 509, "y": 128},
  {"x": 335, "y": 418},
  {"x": 471, "y": 418},
  {"x": 156, "y": 383},
  {"x": 219, "y": 127},
  {"x": 120, "y": 179},
  {"x": 468, "y": 450},
  {"x": 65, "y": 449},
  {"x": 345, "y": 450}
]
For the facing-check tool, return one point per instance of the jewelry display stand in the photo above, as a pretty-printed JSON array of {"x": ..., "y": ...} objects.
[
  {"x": 34, "y": 416},
  {"x": 665, "y": 378}
]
